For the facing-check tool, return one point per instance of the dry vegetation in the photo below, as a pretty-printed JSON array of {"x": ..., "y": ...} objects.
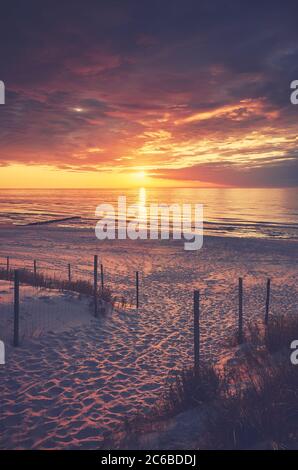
[
  {"x": 252, "y": 404},
  {"x": 40, "y": 280}
]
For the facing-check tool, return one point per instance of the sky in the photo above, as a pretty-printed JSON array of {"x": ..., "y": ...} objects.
[{"x": 154, "y": 93}]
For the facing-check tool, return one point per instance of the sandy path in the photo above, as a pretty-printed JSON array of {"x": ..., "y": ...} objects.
[{"x": 68, "y": 389}]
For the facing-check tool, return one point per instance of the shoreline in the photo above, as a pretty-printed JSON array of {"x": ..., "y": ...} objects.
[
  {"x": 255, "y": 230},
  {"x": 43, "y": 226}
]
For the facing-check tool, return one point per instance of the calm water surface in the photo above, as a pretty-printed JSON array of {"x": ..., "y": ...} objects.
[{"x": 265, "y": 213}]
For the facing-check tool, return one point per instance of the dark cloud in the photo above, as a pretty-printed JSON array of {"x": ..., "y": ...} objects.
[{"x": 281, "y": 174}]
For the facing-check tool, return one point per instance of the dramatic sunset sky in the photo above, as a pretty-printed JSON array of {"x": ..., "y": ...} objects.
[{"x": 123, "y": 93}]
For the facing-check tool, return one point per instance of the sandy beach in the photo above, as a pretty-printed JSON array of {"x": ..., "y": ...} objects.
[
  {"x": 70, "y": 387},
  {"x": 130, "y": 132}
]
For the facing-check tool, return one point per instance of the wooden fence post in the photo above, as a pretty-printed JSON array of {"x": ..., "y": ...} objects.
[
  {"x": 137, "y": 289},
  {"x": 240, "y": 321},
  {"x": 101, "y": 278},
  {"x": 267, "y": 302},
  {"x": 16, "y": 308},
  {"x": 95, "y": 286},
  {"x": 69, "y": 272},
  {"x": 7, "y": 265},
  {"x": 196, "y": 330}
]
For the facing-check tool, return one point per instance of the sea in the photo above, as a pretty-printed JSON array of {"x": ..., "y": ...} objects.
[{"x": 246, "y": 212}]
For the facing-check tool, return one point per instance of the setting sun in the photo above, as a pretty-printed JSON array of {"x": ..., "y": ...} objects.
[{"x": 141, "y": 175}]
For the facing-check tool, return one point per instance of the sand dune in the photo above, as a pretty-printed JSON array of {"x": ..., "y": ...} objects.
[{"x": 67, "y": 389}]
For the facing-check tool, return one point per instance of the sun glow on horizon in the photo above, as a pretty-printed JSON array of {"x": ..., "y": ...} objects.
[
  {"x": 140, "y": 174},
  {"x": 46, "y": 176}
]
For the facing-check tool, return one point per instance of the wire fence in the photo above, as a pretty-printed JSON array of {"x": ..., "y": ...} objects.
[
  {"x": 7, "y": 311},
  {"x": 33, "y": 301}
]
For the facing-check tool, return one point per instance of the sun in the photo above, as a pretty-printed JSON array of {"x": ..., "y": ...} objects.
[{"x": 140, "y": 175}]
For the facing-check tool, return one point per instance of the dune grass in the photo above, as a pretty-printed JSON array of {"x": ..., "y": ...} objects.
[
  {"x": 250, "y": 404},
  {"x": 40, "y": 280},
  {"x": 262, "y": 415},
  {"x": 256, "y": 403},
  {"x": 280, "y": 332},
  {"x": 190, "y": 389}
]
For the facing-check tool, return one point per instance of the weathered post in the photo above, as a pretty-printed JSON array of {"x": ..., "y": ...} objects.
[
  {"x": 196, "y": 330},
  {"x": 240, "y": 321},
  {"x": 101, "y": 278},
  {"x": 95, "y": 287},
  {"x": 16, "y": 308},
  {"x": 69, "y": 272},
  {"x": 137, "y": 289},
  {"x": 267, "y": 302}
]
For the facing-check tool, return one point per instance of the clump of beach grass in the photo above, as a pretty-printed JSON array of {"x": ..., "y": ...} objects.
[
  {"x": 40, "y": 280},
  {"x": 191, "y": 388},
  {"x": 263, "y": 414},
  {"x": 280, "y": 332},
  {"x": 251, "y": 402}
]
